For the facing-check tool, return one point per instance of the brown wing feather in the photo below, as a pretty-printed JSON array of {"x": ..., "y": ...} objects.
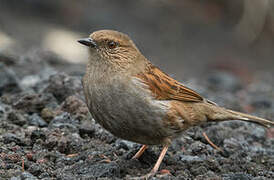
[{"x": 164, "y": 87}]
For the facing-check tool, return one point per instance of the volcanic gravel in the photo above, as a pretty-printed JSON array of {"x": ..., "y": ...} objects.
[{"x": 46, "y": 131}]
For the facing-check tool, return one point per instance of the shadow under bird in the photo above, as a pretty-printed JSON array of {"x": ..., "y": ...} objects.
[{"x": 136, "y": 101}]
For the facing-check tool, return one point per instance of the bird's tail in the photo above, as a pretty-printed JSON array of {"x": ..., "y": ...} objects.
[
  {"x": 250, "y": 118},
  {"x": 222, "y": 114}
]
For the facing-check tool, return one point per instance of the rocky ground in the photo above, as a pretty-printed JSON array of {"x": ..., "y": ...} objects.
[{"x": 46, "y": 131}]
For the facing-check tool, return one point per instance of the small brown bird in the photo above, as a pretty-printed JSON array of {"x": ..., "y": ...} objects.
[{"x": 136, "y": 101}]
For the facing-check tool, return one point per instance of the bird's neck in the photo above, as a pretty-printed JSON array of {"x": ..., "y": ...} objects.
[{"x": 97, "y": 70}]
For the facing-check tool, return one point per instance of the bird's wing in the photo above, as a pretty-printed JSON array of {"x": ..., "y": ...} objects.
[{"x": 163, "y": 87}]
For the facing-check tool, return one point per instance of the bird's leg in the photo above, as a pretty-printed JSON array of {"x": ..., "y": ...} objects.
[
  {"x": 157, "y": 165},
  {"x": 160, "y": 159},
  {"x": 140, "y": 152},
  {"x": 211, "y": 143}
]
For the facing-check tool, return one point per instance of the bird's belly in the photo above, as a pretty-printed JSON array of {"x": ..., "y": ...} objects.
[{"x": 130, "y": 115}]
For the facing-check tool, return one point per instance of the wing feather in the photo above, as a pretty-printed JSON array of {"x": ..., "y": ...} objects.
[{"x": 163, "y": 87}]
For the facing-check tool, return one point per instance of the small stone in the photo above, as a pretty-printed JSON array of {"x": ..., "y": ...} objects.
[
  {"x": 62, "y": 86},
  {"x": 190, "y": 159},
  {"x": 34, "y": 103},
  {"x": 86, "y": 131},
  {"x": 68, "y": 144},
  {"x": 9, "y": 138},
  {"x": 30, "y": 81},
  {"x": 224, "y": 81},
  {"x": 97, "y": 170},
  {"x": 36, "y": 120},
  {"x": 8, "y": 59},
  {"x": 199, "y": 171},
  {"x": 237, "y": 176},
  {"x": 38, "y": 134},
  {"x": 270, "y": 133},
  {"x": 27, "y": 176},
  {"x": 48, "y": 114},
  {"x": 17, "y": 118},
  {"x": 261, "y": 103},
  {"x": 15, "y": 178},
  {"x": 197, "y": 148},
  {"x": 4, "y": 110},
  {"x": 35, "y": 169},
  {"x": 64, "y": 120},
  {"x": 45, "y": 176},
  {"x": 9, "y": 82},
  {"x": 124, "y": 144},
  {"x": 74, "y": 105}
]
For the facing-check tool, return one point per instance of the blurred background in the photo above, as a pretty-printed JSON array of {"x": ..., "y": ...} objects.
[{"x": 182, "y": 37}]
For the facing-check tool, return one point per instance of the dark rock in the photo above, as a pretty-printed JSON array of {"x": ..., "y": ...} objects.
[
  {"x": 9, "y": 138},
  {"x": 126, "y": 145},
  {"x": 36, "y": 120},
  {"x": 7, "y": 59},
  {"x": 48, "y": 114},
  {"x": 15, "y": 178},
  {"x": 4, "y": 111},
  {"x": 38, "y": 81},
  {"x": 258, "y": 132},
  {"x": 261, "y": 103},
  {"x": 31, "y": 64},
  {"x": 233, "y": 144},
  {"x": 17, "y": 118},
  {"x": 237, "y": 176},
  {"x": 259, "y": 178},
  {"x": 105, "y": 136},
  {"x": 64, "y": 120},
  {"x": 199, "y": 170},
  {"x": 38, "y": 134},
  {"x": 198, "y": 148},
  {"x": 76, "y": 107},
  {"x": 224, "y": 81},
  {"x": 62, "y": 86},
  {"x": 270, "y": 133},
  {"x": 52, "y": 58},
  {"x": 63, "y": 142},
  {"x": 34, "y": 103},
  {"x": 27, "y": 176},
  {"x": 86, "y": 131},
  {"x": 30, "y": 82},
  {"x": 209, "y": 175},
  {"x": 87, "y": 170},
  {"x": 9, "y": 82},
  {"x": 190, "y": 159},
  {"x": 35, "y": 169},
  {"x": 44, "y": 176}
]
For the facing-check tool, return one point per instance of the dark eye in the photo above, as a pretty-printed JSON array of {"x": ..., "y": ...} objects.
[{"x": 112, "y": 44}]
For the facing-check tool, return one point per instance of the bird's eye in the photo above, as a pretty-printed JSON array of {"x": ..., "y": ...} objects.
[{"x": 112, "y": 44}]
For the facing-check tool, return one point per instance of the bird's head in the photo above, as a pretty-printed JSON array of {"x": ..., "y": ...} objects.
[{"x": 112, "y": 48}]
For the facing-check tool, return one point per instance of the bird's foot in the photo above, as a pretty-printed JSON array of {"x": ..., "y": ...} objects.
[{"x": 149, "y": 175}]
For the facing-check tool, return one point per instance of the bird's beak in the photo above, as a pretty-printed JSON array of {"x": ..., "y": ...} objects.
[{"x": 87, "y": 42}]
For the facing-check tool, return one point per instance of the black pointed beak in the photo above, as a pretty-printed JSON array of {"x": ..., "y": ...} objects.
[{"x": 87, "y": 42}]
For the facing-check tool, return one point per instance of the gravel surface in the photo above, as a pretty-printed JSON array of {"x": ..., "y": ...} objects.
[{"x": 46, "y": 131}]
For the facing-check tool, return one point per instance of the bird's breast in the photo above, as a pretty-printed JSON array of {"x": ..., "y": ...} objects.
[{"x": 127, "y": 110}]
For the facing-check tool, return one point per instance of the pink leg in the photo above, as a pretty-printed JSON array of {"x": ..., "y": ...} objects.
[
  {"x": 159, "y": 161},
  {"x": 157, "y": 165},
  {"x": 140, "y": 152}
]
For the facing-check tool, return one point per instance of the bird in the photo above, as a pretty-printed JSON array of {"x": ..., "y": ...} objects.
[{"x": 136, "y": 101}]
